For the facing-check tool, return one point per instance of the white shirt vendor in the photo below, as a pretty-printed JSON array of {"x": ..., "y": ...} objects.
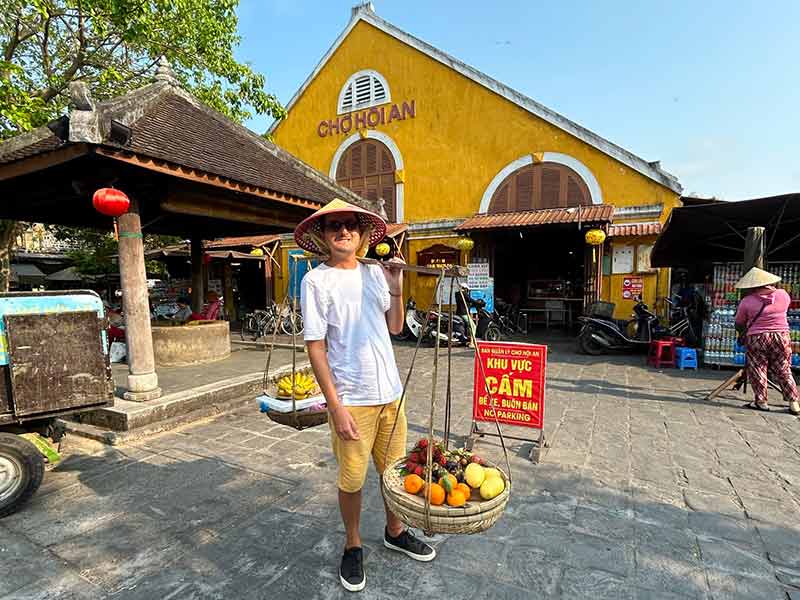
[{"x": 348, "y": 308}]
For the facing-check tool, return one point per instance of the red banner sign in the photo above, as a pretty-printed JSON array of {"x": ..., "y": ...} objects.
[
  {"x": 515, "y": 376},
  {"x": 632, "y": 286}
]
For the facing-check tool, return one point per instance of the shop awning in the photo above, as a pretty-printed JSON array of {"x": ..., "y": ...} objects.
[
  {"x": 634, "y": 229},
  {"x": 232, "y": 254},
  {"x": 599, "y": 213},
  {"x": 65, "y": 275},
  {"x": 255, "y": 241},
  {"x": 716, "y": 232},
  {"x": 27, "y": 273},
  {"x": 395, "y": 229}
]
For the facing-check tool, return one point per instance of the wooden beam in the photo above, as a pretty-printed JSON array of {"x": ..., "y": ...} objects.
[
  {"x": 196, "y": 175},
  {"x": 223, "y": 213},
  {"x": 26, "y": 166}
]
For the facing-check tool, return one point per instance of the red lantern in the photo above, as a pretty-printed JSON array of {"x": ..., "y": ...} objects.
[{"x": 110, "y": 202}]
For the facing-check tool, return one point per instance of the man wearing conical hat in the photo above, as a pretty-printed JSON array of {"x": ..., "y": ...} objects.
[
  {"x": 761, "y": 317},
  {"x": 352, "y": 307}
]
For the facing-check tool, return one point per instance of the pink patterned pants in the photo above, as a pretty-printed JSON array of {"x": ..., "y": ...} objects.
[{"x": 770, "y": 354}]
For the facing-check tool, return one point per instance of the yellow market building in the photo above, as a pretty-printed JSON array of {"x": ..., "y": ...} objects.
[{"x": 452, "y": 152}]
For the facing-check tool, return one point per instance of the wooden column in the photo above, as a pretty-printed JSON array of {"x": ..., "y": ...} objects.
[
  {"x": 754, "y": 249},
  {"x": 227, "y": 279},
  {"x": 142, "y": 378},
  {"x": 198, "y": 277}
]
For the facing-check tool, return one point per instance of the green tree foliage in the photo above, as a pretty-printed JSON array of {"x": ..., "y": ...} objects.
[
  {"x": 95, "y": 251},
  {"x": 114, "y": 46}
]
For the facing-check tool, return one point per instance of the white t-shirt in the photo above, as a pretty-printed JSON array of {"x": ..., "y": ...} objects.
[{"x": 348, "y": 308}]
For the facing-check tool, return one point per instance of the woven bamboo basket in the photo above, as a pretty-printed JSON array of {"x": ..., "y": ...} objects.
[
  {"x": 301, "y": 419},
  {"x": 475, "y": 516}
]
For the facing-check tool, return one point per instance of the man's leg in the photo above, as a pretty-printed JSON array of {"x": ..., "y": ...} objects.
[
  {"x": 350, "y": 507},
  {"x": 393, "y": 525},
  {"x": 388, "y": 448},
  {"x": 353, "y": 459}
]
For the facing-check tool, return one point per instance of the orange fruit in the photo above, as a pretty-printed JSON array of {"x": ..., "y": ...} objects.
[
  {"x": 448, "y": 482},
  {"x": 465, "y": 489},
  {"x": 456, "y": 498},
  {"x": 413, "y": 483},
  {"x": 436, "y": 494}
]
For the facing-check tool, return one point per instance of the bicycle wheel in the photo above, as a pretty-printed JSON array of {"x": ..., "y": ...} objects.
[
  {"x": 249, "y": 328},
  {"x": 286, "y": 324}
]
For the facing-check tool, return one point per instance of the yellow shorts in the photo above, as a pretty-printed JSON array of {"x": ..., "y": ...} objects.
[{"x": 374, "y": 425}]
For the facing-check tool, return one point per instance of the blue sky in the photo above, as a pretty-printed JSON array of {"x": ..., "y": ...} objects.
[{"x": 712, "y": 89}]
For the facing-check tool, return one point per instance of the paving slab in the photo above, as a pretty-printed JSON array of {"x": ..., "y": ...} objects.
[{"x": 645, "y": 491}]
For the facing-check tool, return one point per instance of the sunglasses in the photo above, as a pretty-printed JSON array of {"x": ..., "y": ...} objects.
[{"x": 351, "y": 225}]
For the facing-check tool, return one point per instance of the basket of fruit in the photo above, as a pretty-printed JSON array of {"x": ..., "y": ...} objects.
[
  {"x": 299, "y": 405},
  {"x": 461, "y": 493}
]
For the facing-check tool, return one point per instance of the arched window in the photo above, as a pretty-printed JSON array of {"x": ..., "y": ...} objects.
[
  {"x": 362, "y": 90},
  {"x": 540, "y": 185},
  {"x": 367, "y": 167}
]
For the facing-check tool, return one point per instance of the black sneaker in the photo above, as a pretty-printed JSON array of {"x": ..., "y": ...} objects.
[
  {"x": 408, "y": 544},
  {"x": 351, "y": 571}
]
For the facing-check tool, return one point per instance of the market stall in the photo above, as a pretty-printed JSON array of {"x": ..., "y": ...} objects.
[
  {"x": 707, "y": 241},
  {"x": 541, "y": 261}
]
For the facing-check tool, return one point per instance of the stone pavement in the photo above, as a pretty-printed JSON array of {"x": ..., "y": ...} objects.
[{"x": 646, "y": 491}]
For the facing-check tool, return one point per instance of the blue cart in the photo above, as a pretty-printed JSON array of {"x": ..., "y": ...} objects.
[{"x": 53, "y": 362}]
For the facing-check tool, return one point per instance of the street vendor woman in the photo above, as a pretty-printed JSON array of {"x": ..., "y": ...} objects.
[
  {"x": 761, "y": 317},
  {"x": 353, "y": 307}
]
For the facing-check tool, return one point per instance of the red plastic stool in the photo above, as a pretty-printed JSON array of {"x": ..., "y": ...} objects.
[{"x": 661, "y": 354}]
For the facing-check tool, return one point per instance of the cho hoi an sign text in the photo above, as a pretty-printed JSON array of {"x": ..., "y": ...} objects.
[
  {"x": 367, "y": 119},
  {"x": 515, "y": 378}
]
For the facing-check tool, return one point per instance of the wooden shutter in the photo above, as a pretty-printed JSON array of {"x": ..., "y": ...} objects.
[
  {"x": 551, "y": 186},
  {"x": 540, "y": 186},
  {"x": 367, "y": 168},
  {"x": 524, "y": 195},
  {"x": 372, "y": 158}
]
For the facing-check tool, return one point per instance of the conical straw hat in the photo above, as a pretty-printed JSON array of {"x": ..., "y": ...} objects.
[
  {"x": 308, "y": 234},
  {"x": 756, "y": 277}
]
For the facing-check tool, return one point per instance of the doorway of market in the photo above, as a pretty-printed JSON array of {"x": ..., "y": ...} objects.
[{"x": 541, "y": 273}]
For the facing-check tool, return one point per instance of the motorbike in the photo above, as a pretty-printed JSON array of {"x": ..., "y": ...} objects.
[
  {"x": 416, "y": 325},
  {"x": 503, "y": 315},
  {"x": 600, "y": 335}
]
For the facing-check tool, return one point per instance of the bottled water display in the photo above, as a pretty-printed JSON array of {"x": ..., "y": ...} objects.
[{"x": 719, "y": 340}]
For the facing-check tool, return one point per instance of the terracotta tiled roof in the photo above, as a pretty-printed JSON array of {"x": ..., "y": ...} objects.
[
  {"x": 632, "y": 229},
  {"x": 531, "y": 218},
  {"x": 30, "y": 144},
  {"x": 166, "y": 123},
  {"x": 183, "y": 132},
  {"x": 249, "y": 240}
]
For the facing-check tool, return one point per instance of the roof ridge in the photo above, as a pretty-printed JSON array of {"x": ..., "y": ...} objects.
[{"x": 364, "y": 13}]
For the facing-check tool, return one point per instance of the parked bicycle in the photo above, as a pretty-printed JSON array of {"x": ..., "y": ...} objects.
[{"x": 261, "y": 322}]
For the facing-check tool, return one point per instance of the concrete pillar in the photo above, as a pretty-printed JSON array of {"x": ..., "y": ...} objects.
[
  {"x": 142, "y": 378},
  {"x": 198, "y": 276}
]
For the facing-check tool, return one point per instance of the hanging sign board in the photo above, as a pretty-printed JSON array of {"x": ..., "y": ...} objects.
[
  {"x": 632, "y": 286},
  {"x": 515, "y": 376}
]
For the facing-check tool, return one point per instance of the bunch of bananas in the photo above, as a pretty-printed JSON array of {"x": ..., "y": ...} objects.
[{"x": 304, "y": 386}]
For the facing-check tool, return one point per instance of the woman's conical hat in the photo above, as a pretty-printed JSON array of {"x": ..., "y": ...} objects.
[
  {"x": 308, "y": 234},
  {"x": 756, "y": 277}
]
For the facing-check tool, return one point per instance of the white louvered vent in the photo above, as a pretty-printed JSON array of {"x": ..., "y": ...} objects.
[{"x": 363, "y": 90}]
